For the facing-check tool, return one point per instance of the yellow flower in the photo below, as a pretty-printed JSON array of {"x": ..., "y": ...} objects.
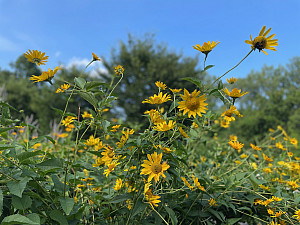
[
  {"x": 233, "y": 138},
  {"x": 45, "y": 76},
  {"x": 212, "y": 202},
  {"x": 228, "y": 114},
  {"x": 231, "y": 80},
  {"x": 158, "y": 99},
  {"x": 267, "y": 170},
  {"x": 253, "y": 165},
  {"x": 119, "y": 69},
  {"x": 164, "y": 126},
  {"x": 236, "y": 145},
  {"x": 262, "y": 42},
  {"x": 294, "y": 142},
  {"x": 280, "y": 146},
  {"x": 161, "y": 85},
  {"x": 267, "y": 158},
  {"x": 36, "y": 57},
  {"x": 297, "y": 215},
  {"x": 115, "y": 128},
  {"x": 182, "y": 132},
  {"x": 110, "y": 168},
  {"x": 235, "y": 93},
  {"x": 63, "y": 88},
  {"x": 243, "y": 156},
  {"x": 267, "y": 188},
  {"x": 95, "y": 57},
  {"x": 197, "y": 183},
  {"x": 277, "y": 199},
  {"x": 225, "y": 123},
  {"x": 175, "y": 90},
  {"x": 152, "y": 199},
  {"x": 192, "y": 104},
  {"x": 68, "y": 120},
  {"x": 273, "y": 223},
  {"x": 92, "y": 141},
  {"x": 86, "y": 115},
  {"x": 153, "y": 167},
  {"x": 124, "y": 137},
  {"x": 206, "y": 47},
  {"x": 187, "y": 183},
  {"x": 255, "y": 147},
  {"x": 270, "y": 211},
  {"x": 155, "y": 116},
  {"x": 118, "y": 185},
  {"x": 292, "y": 184}
]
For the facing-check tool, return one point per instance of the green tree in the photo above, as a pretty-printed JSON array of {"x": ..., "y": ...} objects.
[
  {"x": 146, "y": 62},
  {"x": 273, "y": 99}
]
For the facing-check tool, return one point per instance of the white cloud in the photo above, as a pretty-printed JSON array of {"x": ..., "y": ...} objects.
[
  {"x": 94, "y": 69},
  {"x": 8, "y": 45}
]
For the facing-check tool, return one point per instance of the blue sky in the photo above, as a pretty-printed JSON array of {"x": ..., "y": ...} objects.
[{"x": 68, "y": 31}]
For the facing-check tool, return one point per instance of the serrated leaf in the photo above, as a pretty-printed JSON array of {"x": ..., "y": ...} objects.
[
  {"x": 89, "y": 96},
  {"x": 17, "y": 187},
  {"x": 18, "y": 219},
  {"x": 57, "y": 216},
  {"x": 50, "y": 164},
  {"x": 195, "y": 81},
  {"x": 67, "y": 204},
  {"x": 80, "y": 82},
  {"x": 21, "y": 203},
  {"x": 172, "y": 215},
  {"x": 139, "y": 207},
  {"x": 93, "y": 84}
]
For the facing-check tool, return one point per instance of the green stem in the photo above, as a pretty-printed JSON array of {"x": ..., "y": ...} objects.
[{"x": 229, "y": 70}]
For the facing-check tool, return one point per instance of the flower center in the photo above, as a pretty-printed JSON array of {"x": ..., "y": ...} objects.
[
  {"x": 235, "y": 93},
  {"x": 156, "y": 168},
  {"x": 111, "y": 154},
  {"x": 228, "y": 113},
  {"x": 36, "y": 60},
  {"x": 260, "y": 42},
  {"x": 192, "y": 104}
]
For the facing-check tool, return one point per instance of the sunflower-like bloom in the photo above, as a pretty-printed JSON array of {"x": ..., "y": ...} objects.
[
  {"x": 161, "y": 85},
  {"x": 192, "y": 104},
  {"x": 268, "y": 159},
  {"x": 228, "y": 114},
  {"x": 183, "y": 133},
  {"x": 95, "y": 57},
  {"x": 119, "y": 69},
  {"x": 236, "y": 145},
  {"x": 158, "y": 99},
  {"x": 108, "y": 155},
  {"x": 151, "y": 198},
  {"x": 187, "y": 183},
  {"x": 255, "y": 147},
  {"x": 262, "y": 42},
  {"x": 45, "y": 76},
  {"x": 197, "y": 183},
  {"x": 111, "y": 167},
  {"x": 153, "y": 167},
  {"x": 155, "y": 116},
  {"x": 235, "y": 93},
  {"x": 212, "y": 202},
  {"x": 118, "y": 185},
  {"x": 175, "y": 90},
  {"x": 231, "y": 80},
  {"x": 36, "y": 57},
  {"x": 63, "y": 88},
  {"x": 206, "y": 47},
  {"x": 68, "y": 120},
  {"x": 164, "y": 126}
]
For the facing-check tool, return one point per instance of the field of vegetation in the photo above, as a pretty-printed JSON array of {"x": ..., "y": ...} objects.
[{"x": 152, "y": 141}]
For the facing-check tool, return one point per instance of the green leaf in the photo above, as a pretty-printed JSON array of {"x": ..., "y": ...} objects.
[
  {"x": 120, "y": 198},
  {"x": 1, "y": 202},
  {"x": 3, "y": 129},
  {"x": 57, "y": 216},
  {"x": 297, "y": 200},
  {"x": 80, "y": 82},
  {"x": 139, "y": 207},
  {"x": 89, "y": 96},
  {"x": 67, "y": 204},
  {"x": 3, "y": 147},
  {"x": 27, "y": 155},
  {"x": 208, "y": 67},
  {"x": 93, "y": 84},
  {"x": 173, "y": 106},
  {"x": 105, "y": 125},
  {"x": 50, "y": 164},
  {"x": 18, "y": 219},
  {"x": 172, "y": 215},
  {"x": 8, "y": 106},
  {"x": 58, "y": 185},
  {"x": 220, "y": 85},
  {"x": 17, "y": 187},
  {"x": 21, "y": 203},
  {"x": 195, "y": 81},
  {"x": 232, "y": 221},
  {"x": 217, "y": 214},
  {"x": 34, "y": 217}
]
